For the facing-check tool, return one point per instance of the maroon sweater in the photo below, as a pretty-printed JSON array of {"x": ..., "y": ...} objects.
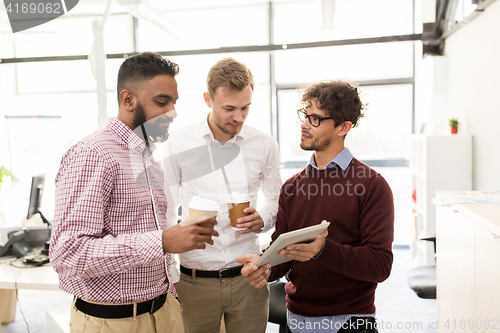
[{"x": 357, "y": 254}]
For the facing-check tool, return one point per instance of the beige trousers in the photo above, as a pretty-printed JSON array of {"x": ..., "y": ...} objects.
[
  {"x": 167, "y": 319},
  {"x": 206, "y": 300}
]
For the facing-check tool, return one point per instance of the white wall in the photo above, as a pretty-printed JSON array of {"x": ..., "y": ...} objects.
[{"x": 473, "y": 61}]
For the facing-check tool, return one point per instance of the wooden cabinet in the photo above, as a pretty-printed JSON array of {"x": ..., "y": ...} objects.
[
  {"x": 437, "y": 163},
  {"x": 468, "y": 268},
  {"x": 462, "y": 268},
  {"x": 487, "y": 283}
]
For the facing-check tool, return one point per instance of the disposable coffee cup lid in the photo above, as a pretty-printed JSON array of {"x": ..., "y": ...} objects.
[
  {"x": 236, "y": 197},
  {"x": 207, "y": 205}
]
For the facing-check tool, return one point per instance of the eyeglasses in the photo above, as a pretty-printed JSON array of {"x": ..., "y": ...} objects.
[{"x": 315, "y": 121}]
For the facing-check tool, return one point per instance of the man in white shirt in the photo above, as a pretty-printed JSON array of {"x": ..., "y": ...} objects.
[{"x": 214, "y": 159}]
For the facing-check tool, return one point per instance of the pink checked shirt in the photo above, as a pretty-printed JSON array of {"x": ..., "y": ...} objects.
[{"x": 106, "y": 242}]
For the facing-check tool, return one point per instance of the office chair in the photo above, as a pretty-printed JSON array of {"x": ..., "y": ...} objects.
[
  {"x": 422, "y": 279},
  {"x": 277, "y": 304}
]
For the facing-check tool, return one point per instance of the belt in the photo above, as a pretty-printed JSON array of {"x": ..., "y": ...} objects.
[
  {"x": 222, "y": 274},
  {"x": 120, "y": 311}
]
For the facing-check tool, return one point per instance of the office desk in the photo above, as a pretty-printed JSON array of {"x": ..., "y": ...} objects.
[{"x": 39, "y": 278}]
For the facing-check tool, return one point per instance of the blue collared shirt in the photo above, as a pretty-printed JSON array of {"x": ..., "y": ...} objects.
[
  {"x": 343, "y": 159},
  {"x": 330, "y": 324}
]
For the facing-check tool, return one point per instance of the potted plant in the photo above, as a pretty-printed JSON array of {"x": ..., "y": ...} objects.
[
  {"x": 7, "y": 173},
  {"x": 454, "y": 125}
]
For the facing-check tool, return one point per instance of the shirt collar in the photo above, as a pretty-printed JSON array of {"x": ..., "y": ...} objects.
[
  {"x": 343, "y": 159},
  {"x": 204, "y": 130},
  {"x": 133, "y": 142}
]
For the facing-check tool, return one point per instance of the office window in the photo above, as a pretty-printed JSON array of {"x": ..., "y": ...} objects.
[
  {"x": 208, "y": 27},
  {"x": 35, "y": 147},
  {"x": 67, "y": 88},
  {"x": 73, "y": 36},
  {"x": 56, "y": 77},
  {"x": 194, "y": 68},
  {"x": 385, "y": 130},
  {"x": 399, "y": 179},
  {"x": 382, "y": 134},
  {"x": 297, "y": 22},
  {"x": 356, "y": 62},
  {"x": 464, "y": 9}
]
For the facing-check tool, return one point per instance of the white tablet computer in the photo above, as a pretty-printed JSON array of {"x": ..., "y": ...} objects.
[{"x": 303, "y": 235}]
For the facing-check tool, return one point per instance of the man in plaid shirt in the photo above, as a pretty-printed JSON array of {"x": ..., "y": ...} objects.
[{"x": 109, "y": 244}]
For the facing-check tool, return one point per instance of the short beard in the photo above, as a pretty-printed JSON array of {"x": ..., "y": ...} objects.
[
  {"x": 139, "y": 117},
  {"x": 225, "y": 130},
  {"x": 317, "y": 145},
  {"x": 152, "y": 132}
]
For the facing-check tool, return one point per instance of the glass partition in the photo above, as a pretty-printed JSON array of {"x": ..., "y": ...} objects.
[
  {"x": 356, "y": 62},
  {"x": 72, "y": 35},
  {"x": 207, "y": 27},
  {"x": 67, "y": 88},
  {"x": 298, "y": 22},
  {"x": 382, "y": 134}
]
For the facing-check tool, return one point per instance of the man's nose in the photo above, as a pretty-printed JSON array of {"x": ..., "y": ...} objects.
[
  {"x": 305, "y": 124},
  {"x": 171, "y": 113},
  {"x": 238, "y": 115}
]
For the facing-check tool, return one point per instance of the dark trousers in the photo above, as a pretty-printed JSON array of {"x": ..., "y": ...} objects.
[{"x": 355, "y": 325}]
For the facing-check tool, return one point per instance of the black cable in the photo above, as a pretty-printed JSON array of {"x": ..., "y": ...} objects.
[
  {"x": 19, "y": 304},
  {"x": 33, "y": 259},
  {"x": 29, "y": 261}
]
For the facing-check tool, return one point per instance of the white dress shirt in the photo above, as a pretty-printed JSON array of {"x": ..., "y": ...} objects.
[{"x": 194, "y": 166}]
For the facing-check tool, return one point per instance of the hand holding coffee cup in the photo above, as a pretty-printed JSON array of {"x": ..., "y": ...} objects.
[
  {"x": 202, "y": 221},
  {"x": 236, "y": 204},
  {"x": 199, "y": 207}
]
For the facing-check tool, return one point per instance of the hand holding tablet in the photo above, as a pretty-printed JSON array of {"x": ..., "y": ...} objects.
[{"x": 305, "y": 235}]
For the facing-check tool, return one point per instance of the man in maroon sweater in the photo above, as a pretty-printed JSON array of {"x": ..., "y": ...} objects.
[{"x": 332, "y": 279}]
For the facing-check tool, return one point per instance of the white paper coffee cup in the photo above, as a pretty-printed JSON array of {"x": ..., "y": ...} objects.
[{"x": 203, "y": 207}]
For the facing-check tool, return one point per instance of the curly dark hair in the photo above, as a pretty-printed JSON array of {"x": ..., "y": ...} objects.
[
  {"x": 142, "y": 67},
  {"x": 340, "y": 99}
]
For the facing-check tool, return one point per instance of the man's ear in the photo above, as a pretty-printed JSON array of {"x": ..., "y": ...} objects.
[
  {"x": 207, "y": 99},
  {"x": 345, "y": 128},
  {"x": 127, "y": 99}
]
